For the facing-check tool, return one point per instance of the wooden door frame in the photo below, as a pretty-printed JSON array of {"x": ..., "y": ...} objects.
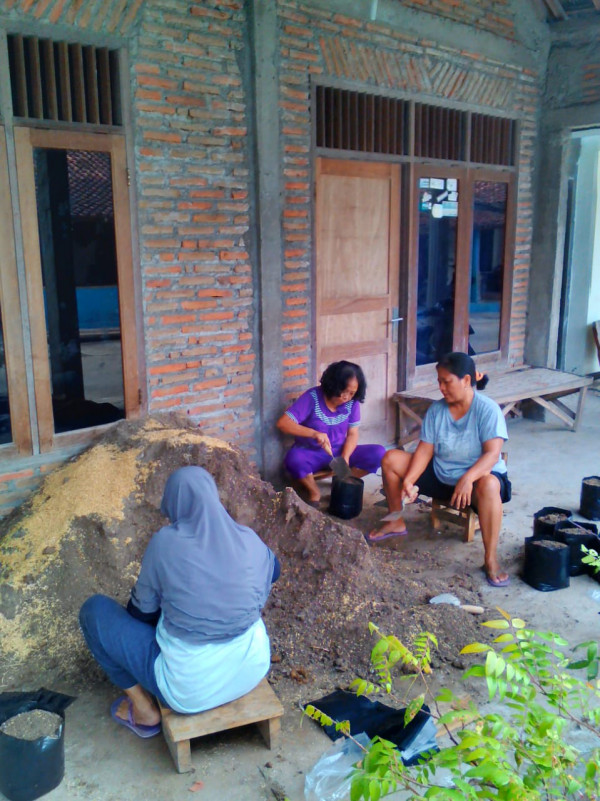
[
  {"x": 422, "y": 374},
  {"x": 363, "y": 169},
  {"x": 12, "y": 327},
  {"x": 26, "y": 139}
]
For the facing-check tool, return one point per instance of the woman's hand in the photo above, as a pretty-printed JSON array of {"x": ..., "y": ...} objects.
[
  {"x": 323, "y": 441},
  {"x": 410, "y": 492},
  {"x": 463, "y": 491}
]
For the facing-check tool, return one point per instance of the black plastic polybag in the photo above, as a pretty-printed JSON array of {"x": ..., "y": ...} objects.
[
  {"x": 377, "y": 719},
  {"x": 31, "y": 768},
  {"x": 346, "y": 497},
  {"x": 546, "y": 566},
  {"x": 589, "y": 505},
  {"x": 575, "y": 536}
]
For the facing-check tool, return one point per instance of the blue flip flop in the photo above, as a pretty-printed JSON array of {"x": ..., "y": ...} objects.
[
  {"x": 390, "y": 535},
  {"x": 136, "y": 728},
  {"x": 497, "y": 582}
]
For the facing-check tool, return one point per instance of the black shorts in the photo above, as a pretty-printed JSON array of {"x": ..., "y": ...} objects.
[{"x": 430, "y": 485}]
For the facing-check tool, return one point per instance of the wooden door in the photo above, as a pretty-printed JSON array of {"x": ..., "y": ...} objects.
[{"x": 357, "y": 275}]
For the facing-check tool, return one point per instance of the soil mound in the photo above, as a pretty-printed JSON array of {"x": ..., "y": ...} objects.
[{"x": 85, "y": 530}]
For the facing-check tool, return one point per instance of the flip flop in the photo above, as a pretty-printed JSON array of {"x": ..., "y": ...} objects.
[
  {"x": 390, "y": 535},
  {"x": 136, "y": 728},
  {"x": 497, "y": 582}
]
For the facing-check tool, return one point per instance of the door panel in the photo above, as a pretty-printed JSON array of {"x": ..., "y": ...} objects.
[{"x": 357, "y": 234}]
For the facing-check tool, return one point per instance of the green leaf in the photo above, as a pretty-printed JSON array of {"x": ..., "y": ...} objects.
[
  {"x": 496, "y": 624},
  {"x": 517, "y": 623},
  {"x": 475, "y": 648}
]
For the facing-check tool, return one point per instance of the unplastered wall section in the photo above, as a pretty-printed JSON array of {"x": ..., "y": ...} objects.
[
  {"x": 193, "y": 184},
  {"x": 326, "y": 45}
]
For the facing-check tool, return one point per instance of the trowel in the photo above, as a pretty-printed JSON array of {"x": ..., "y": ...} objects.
[
  {"x": 449, "y": 598},
  {"x": 397, "y": 515},
  {"x": 340, "y": 467}
]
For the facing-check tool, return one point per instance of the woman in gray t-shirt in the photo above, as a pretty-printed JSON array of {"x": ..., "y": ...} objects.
[{"x": 457, "y": 460}]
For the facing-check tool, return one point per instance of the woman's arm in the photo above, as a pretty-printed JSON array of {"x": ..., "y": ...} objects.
[
  {"x": 350, "y": 443},
  {"x": 419, "y": 461},
  {"x": 490, "y": 453},
  {"x": 287, "y": 426}
]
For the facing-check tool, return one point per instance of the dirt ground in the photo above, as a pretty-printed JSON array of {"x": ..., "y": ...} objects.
[{"x": 332, "y": 584}]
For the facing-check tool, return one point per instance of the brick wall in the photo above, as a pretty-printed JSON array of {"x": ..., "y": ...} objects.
[
  {"x": 495, "y": 16},
  {"x": 193, "y": 188},
  {"x": 332, "y": 46}
]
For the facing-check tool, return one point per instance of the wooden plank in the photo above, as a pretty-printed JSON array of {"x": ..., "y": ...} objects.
[
  {"x": 35, "y": 77},
  {"x": 258, "y": 705},
  {"x": 22, "y": 108},
  {"x": 11, "y": 319},
  {"x": 35, "y": 288},
  {"x": 131, "y": 380},
  {"x": 91, "y": 84},
  {"x": 64, "y": 82},
  {"x": 47, "y": 50},
  {"x": 78, "y": 84}
]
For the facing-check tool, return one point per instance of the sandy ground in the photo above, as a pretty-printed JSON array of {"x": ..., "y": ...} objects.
[{"x": 546, "y": 464}]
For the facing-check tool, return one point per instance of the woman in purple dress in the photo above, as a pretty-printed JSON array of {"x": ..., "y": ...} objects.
[{"x": 324, "y": 422}]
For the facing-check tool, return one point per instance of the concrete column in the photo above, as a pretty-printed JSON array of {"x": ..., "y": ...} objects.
[
  {"x": 547, "y": 255},
  {"x": 268, "y": 193}
]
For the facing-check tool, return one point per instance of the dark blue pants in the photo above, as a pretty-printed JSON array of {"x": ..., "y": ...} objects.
[{"x": 125, "y": 648}]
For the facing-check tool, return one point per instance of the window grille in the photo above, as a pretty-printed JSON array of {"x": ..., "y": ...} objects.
[
  {"x": 367, "y": 123},
  {"x": 62, "y": 81}
]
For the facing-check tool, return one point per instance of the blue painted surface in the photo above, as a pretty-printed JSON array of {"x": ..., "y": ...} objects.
[{"x": 98, "y": 307}]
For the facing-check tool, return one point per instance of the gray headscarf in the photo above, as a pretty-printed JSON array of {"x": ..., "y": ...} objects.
[{"x": 208, "y": 574}]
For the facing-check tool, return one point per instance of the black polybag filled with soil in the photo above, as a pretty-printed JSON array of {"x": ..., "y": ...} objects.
[
  {"x": 589, "y": 504},
  {"x": 575, "y": 536},
  {"x": 546, "y": 518},
  {"x": 346, "y": 497},
  {"x": 547, "y": 564},
  {"x": 32, "y": 768}
]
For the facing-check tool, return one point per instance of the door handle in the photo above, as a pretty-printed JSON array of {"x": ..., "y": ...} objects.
[{"x": 395, "y": 320}]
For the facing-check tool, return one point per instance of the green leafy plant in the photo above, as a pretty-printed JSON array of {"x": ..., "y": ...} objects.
[
  {"x": 518, "y": 752},
  {"x": 591, "y": 557}
]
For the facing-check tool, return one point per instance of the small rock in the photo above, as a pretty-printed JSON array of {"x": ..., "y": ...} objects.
[{"x": 49, "y": 549}]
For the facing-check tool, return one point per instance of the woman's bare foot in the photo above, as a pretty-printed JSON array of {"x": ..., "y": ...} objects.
[
  {"x": 495, "y": 576},
  {"x": 144, "y": 710},
  {"x": 397, "y": 527}
]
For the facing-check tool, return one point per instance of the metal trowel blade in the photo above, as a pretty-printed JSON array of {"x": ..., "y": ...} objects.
[
  {"x": 340, "y": 467},
  {"x": 392, "y": 516}
]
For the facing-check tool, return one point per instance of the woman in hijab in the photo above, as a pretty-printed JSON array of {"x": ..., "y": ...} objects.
[{"x": 191, "y": 635}]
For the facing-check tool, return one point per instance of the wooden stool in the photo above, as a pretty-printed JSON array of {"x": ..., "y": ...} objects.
[
  {"x": 261, "y": 706},
  {"x": 466, "y": 518}
]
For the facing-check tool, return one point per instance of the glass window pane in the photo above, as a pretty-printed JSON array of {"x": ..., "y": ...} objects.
[
  {"x": 438, "y": 218},
  {"x": 79, "y": 270},
  {"x": 5, "y": 430},
  {"x": 487, "y": 265}
]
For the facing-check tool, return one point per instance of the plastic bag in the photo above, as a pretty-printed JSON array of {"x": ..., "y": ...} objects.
[
  {"x": 31, "y": 768},
  {"x": 331, "y": 777}
]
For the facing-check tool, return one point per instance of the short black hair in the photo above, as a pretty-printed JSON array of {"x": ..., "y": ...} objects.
[
  {"x": 336, "y": 376},
  {"x": 461, "y": 364}
]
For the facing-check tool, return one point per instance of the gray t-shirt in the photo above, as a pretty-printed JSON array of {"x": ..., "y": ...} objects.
[{"x": 458, "y": 443}]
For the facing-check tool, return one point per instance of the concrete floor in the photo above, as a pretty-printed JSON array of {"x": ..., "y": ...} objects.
[{"x": 107, "y": 763}]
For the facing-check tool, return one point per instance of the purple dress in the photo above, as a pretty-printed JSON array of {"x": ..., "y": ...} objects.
[{"x": 306, "y": 455}]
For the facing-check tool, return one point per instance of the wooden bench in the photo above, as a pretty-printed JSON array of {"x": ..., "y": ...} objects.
[
  {"x": 261, "y": 706},
  {"x": 538, "y": 384}
]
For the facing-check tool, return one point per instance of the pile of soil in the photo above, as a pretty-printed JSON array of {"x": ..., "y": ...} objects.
[{"x": 87, "y": 527}]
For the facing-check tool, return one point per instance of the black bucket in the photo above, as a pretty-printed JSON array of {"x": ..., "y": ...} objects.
[
  {"x": 546, "y": 518},
  {"x": 589, "y": 504},
  {"x": 346, "y": 497},
  {"x": 546, "y": 564},
  {"x": 32, "y": 768},
  {"x": 575, "y": 536}
]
